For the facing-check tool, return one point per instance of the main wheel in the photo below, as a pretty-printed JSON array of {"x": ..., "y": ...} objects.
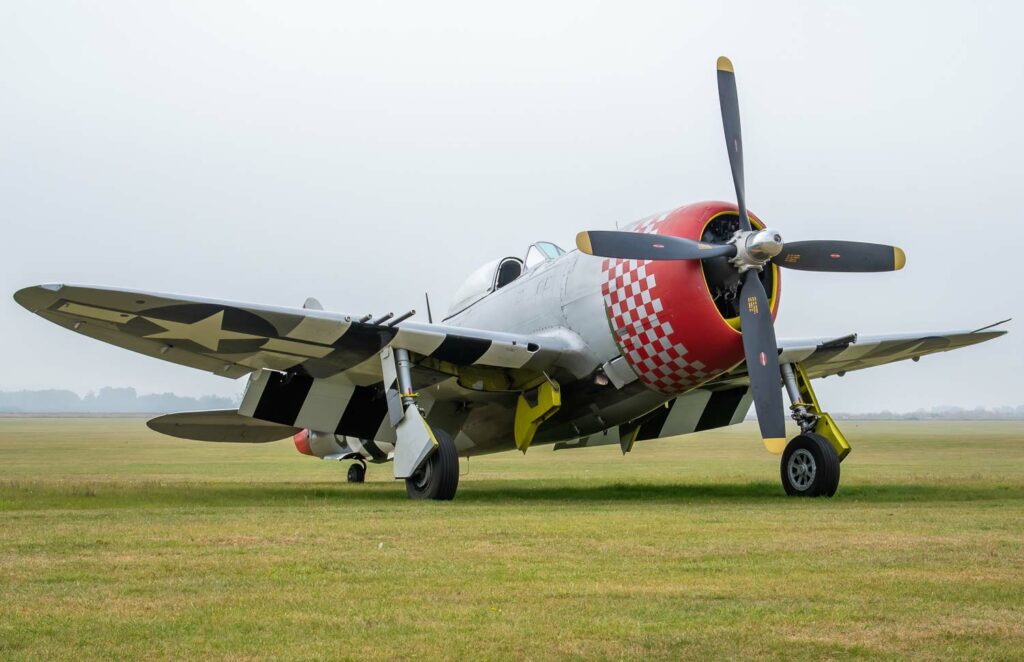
[
  {"x": 810, "y": 466},
  {"x": 357, "y": 473},
  {"x": 438, "y": 476}
]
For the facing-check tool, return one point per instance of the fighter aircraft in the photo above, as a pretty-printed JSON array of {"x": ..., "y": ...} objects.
[{"x": 660, "y": 329}]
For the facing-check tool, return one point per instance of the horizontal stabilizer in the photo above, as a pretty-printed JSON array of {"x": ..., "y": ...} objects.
[{"x": 225, "y": 425}]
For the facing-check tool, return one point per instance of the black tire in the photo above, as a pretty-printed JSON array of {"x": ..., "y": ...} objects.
[
  {"x": 356, "y": 473},
  {"x": 810, "y": 467},
  {"x": 438, "y": 478}
]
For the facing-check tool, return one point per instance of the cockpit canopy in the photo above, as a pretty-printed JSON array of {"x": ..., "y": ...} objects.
[{"x": 496, "y": 274}]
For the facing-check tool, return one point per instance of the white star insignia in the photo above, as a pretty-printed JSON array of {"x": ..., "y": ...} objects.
[{"x": 207, "y": 332}]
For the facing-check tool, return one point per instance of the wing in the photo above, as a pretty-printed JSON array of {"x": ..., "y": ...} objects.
[
  {"x": 822, "y": 357},
  {"x": 233, "y": 339}
]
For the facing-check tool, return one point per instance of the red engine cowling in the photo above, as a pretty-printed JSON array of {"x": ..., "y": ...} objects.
[{"x": 674, "y": 320}]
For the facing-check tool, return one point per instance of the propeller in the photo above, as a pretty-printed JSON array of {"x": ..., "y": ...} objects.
[{"x": 748, "y": 251}]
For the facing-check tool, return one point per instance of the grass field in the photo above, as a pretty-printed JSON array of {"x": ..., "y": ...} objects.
[{"x": 116, "y": 542}]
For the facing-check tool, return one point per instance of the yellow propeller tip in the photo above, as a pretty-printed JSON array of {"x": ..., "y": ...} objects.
[
  {"x": 583, "y": 243},
  {"x": 725, "y": 64},
  {"x": 899, "y": 257},
  {"x": 775, "y": 445}
]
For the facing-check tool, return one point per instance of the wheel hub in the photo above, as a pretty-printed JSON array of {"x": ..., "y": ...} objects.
[
  {"x": 801, "y": 469},
  {"x": 421, "y": 478}
]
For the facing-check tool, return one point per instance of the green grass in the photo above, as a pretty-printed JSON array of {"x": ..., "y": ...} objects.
[{"x": 116, "y": 542}]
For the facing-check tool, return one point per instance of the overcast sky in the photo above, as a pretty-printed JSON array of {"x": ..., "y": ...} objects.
[{"x": 272, "y": 151}]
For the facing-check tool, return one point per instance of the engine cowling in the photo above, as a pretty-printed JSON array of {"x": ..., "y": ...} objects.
[{"x": 676, "y": 322}]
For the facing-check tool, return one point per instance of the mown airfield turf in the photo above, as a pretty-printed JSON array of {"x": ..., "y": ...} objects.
[{"x": 116, "y": 542}]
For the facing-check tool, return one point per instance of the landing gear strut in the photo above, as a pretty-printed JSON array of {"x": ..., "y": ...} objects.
[
  {"x": 426, "y": 458},
  {"x": 810, "y": 462}
]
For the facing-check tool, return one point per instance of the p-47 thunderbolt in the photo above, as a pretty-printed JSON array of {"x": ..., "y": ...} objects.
[{"x": 660, "y": 329}]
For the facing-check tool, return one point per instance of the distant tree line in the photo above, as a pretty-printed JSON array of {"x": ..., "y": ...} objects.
[
  {"x": 107, "y": 400},
  {"x": 933, "y": 414},
  {"x": 942, "y": 414}
]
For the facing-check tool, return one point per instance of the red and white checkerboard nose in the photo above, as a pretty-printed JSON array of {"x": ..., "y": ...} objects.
[{"x": 661, "y": 312}]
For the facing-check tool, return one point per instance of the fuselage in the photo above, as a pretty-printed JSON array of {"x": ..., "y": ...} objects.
[{"x": 650, "y": 330}]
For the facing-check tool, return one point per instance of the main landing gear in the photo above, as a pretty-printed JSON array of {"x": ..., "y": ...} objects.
[
  {"x": 810, "y": 466},
  {"x": 810, "y": 461},
  {"x": 438, "y": 476},
  {"x": 425, "y": 457}
]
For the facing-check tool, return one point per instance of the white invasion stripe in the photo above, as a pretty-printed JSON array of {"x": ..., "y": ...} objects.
[
  {"x": 364, "y": 374},
  {"x": 742, "y": 408},
  {"x": 318, "y": 330},
  {"x": 421, "y": 342},
  {"x": 504, "y": 355},
  {"x": 356, "y": 445},
  {"x": 852, "y": 353},
  {"x": 324, "y": 405},
  {"x": 385, "y": 433},
  {"x": 686, "y": 413},
  {"x": 796, "y": 355},
  {"x": 300, "y": 348},
  {"x": 271, "y": 361},
  {"x": 253, "y": 392}
]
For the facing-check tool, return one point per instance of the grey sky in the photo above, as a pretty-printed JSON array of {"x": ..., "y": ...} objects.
[{"x": 363, "y": 153}]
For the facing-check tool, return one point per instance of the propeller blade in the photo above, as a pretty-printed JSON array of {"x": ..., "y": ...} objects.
[
  {"x": 840, "y": 256},
  {"x": 762, "y": 356},
  {"x": 639, "y": 246},
  {"x": 730, "y": 104}
]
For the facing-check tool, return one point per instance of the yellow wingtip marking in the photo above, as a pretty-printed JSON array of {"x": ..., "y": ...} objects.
[
  {"x": 775, "y": 445},
  {"x": 725, "y": 64},
  {"x": 583, "y": 243},
  {"x": 899, "y": 257}
]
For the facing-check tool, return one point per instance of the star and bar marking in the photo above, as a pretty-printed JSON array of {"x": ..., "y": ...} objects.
[{"x": 207, "y": 332}]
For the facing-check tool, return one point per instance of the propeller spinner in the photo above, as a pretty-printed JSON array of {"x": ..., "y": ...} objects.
[{"x": 748, "y": 251}]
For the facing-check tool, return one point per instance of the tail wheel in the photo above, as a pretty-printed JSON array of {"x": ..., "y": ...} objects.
[
  {"x": 810, "y": 467},
  {"x": 438, "y": 477},
  {"x": 357, "y": 473}
]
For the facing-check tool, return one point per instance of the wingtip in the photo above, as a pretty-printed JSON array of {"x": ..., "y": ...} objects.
[
  {"x": 899, "y": 258},
  {"x": 583, "y": 243},
  {"x": 35, "y": 297},
  {"x": 725, "y": 64}
]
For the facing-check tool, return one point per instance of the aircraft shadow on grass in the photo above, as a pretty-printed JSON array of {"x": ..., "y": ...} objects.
[
  {"x": 90, "y": 494},
  {"x": 496, "y": 492}
]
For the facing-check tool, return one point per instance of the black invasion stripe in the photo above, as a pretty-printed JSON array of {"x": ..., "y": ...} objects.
[
  {"x": 720, "y": 408},
  {"x": 283, "y": 397},
  {"x": 370, "y": 446},
  {"x": 651, "y": 428},
  {"x": 358, "y": 344},
  {"x": 364, "y": 413},
  {"x": 461, "y": 350}
]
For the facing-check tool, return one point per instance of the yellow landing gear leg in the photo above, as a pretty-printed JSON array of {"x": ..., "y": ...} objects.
[
  {"x": 806, "y": 411},
  {"x": 533, "y": 408}
]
